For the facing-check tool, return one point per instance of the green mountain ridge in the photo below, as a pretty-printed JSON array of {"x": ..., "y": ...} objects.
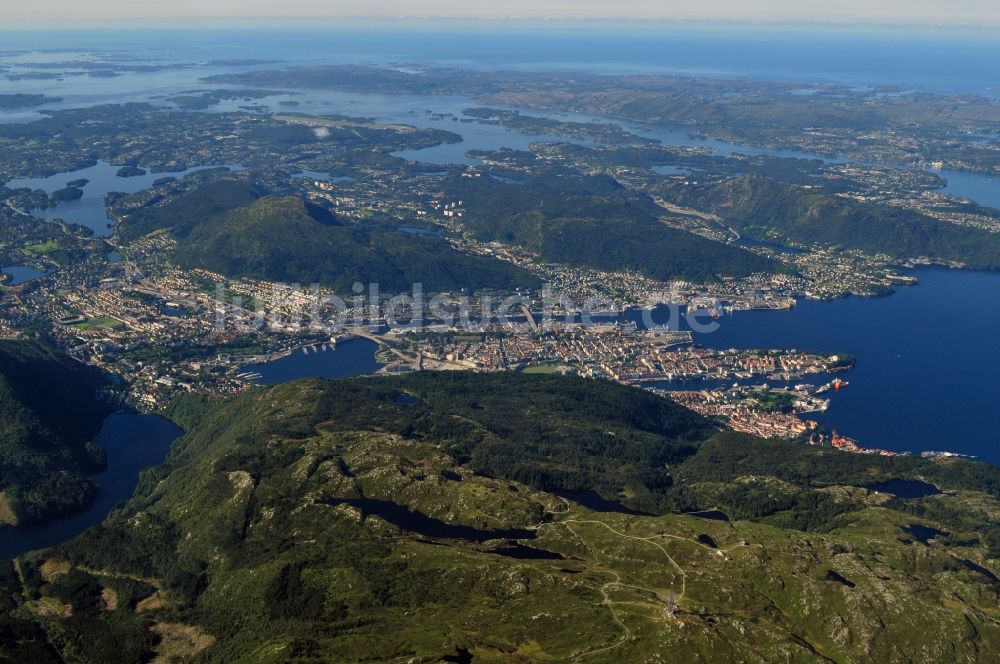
[
  {"x": 49, "y": 411},
  {"x": 411, "y": 518},
  {"x": 761, "y": 208},
  {"x": 231, "y": 228},
  {"x": 594, "y": 221}
]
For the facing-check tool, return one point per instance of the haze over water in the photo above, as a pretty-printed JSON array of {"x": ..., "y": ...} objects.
[{"x": 923, "y": 58}]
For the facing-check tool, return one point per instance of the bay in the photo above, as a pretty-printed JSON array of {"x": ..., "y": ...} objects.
[
  {"x": 979, "y": 187},
  {"x": 89, "y": 210},
  {"x": 349, "y": 358},
  {"x": 928, "y": 365}
]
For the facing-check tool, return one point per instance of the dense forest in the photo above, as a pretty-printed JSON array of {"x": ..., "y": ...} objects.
[
  {"x": 766, "y": 209},
  {"x": 50, "y": 411},
  {"x": 594, "y": 221}
]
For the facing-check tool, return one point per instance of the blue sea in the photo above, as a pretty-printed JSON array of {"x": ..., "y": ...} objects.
[{"x": 907, "y": 57}]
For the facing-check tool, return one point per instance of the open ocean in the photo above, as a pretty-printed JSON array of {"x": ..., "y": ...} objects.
[{"x": 943, "y": 59}]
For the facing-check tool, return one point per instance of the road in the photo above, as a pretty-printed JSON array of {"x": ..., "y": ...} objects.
[
  {"x": 17, "y": 209},
  {"x": 413, "y": 360},
  {"x": 704, "y": 216}
]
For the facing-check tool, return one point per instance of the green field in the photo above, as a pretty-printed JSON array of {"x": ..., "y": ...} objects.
[
  {"x": 40, "y": 249},
  {"x": 99, "y": 324},
  {"x": 541, "y": 369}
]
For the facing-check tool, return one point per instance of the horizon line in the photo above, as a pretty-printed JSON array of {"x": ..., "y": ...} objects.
[{"x": 196, "y": 22}]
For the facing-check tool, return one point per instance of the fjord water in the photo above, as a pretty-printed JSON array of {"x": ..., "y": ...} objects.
[
  {"x": 928, "y": 361},
  {"x": 979, "y": 187},
  {"x": 350, "y": 358},
  {"x": 132, "y": 442},
  {"x": 102, "y": 178}
]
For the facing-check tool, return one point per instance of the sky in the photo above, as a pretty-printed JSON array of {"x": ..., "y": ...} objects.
[{"x": 979, "y": 13}]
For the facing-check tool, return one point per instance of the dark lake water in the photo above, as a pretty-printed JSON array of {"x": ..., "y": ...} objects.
[
  {"x": 133, "y": 442},
  {"x": 407, "y": 519},
  {"x": 923, "y": 534},
  {"x": 594, "y": 502},
  {"x": 710, "y": 515},
  {"x": 906, "y": 488},
  {"x": 523, "y": 552},
  {"x": 20, "y": 274},
  {"x": 834, "y": 576}
]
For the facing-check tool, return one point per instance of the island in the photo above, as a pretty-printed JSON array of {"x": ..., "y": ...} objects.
[
  {"x": 22, "y": 100},
  {"x": 130, "y": 171},
  {"x": 67, "y": 194}
]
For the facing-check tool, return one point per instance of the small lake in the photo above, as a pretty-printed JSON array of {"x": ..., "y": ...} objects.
[
  {"x": 21, "y": 274},
  {"x": 133, "y": 442},
  {"x": 906, "y": 488},
  {"x": 710, "y": 515},
  {"x": 923, "y": 534},
  {"x": 522, "y": 552},
  {"x": 837, "y": 578},
  {"x": 103, "y": 178},
  {"x": 409, "y": 520},
  {"x": 594, "y": 502},
  {"x": 348, "y": 358}
]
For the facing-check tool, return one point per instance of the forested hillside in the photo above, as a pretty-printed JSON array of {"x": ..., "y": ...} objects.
[
  {"x": 435, "y": 516},
  {"x": 230, "y": 228},
  {"x": 769, "y": 210},
  {"x": 49, "y": 413},
  {"x": 594, "y": 221}
]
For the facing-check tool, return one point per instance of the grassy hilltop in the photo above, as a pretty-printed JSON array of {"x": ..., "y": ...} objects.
[{"x": 411, "y": 518}]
